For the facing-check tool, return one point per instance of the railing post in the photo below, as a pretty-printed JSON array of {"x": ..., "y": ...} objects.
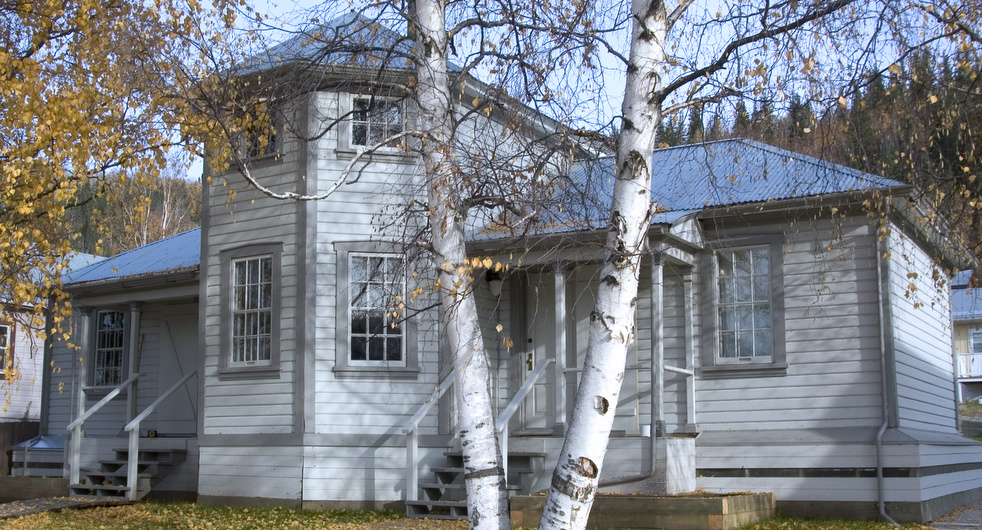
[
  {"x": 504, "y": 452},
  {"x": 75, "y": 455},
  {"x": 412, "y": 465},
  {"x": 132, "y": 464}
]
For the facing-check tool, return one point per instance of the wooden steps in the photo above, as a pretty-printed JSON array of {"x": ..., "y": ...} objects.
[
  {"x": 110, "y": 479},
  {"x": 445, "y": 496}
]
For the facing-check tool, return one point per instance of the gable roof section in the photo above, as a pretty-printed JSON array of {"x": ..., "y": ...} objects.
[{"x": 175, "y": 254}]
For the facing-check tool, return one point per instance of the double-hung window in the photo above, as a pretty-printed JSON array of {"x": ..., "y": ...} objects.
[
  {"x": 252, "y": 310},
  {"x": 743, "y": 309},
  {"x": 374, "y": 119},
  {"x": 110, "y": 347},
  {"x": 6, "y": 352},
  {"x": 376, "y": 329},
  {"x": 743, "y": 324},
  {"x": 250, "y": 325},
  {"x": 376, "y": 334},
  {"x": 975, "y": 337}
]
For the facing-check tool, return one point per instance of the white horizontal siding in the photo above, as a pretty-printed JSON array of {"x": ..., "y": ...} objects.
[
  {"x": 831, "y": 339},
  {"x": 922, "y": 339},
  {"x": 267, "y": 472}
]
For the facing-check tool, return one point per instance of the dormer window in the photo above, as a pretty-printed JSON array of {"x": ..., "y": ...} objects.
[{"x": 374, "y": 119}]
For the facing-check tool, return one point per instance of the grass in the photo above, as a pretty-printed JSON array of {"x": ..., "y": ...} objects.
[
  {"x": 970, "y": 409},
  {"x": 190, "y": 516},
  {"x": 789, "y": 523}
]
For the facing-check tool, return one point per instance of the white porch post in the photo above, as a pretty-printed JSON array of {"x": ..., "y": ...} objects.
[
  {"x": 690, "y": 354},
  {"x": 75, "y": 439},
  {"x": 134, "y": 359},
  {"x": 559, "y": 369},
  {"x": 657, "y": 348}
]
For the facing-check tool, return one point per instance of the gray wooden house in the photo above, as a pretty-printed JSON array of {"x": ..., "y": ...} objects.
[{"x": 789, "y": 341}]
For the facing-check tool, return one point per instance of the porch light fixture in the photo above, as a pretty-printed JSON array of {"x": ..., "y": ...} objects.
[{"x": 494, "y": 282}]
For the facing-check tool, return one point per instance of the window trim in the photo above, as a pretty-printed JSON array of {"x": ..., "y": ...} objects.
[
  {"x": 346, "y": 133},
  {"x": 409, "y": 366},
  {"x": 971, "y": 340},
  {"x": 226, "y": 368},
  {"x": 91, "y": 350},
  {"x": 712, "y": 364},
  {"x": 8, "y": 354}
]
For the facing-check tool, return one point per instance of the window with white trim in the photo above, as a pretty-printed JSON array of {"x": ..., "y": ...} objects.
[
  {"x": 252, "y": 310},
  {"x": 376, "y": 330},
  {"x": 743, "y": 325},
  {"x": 975, "y": 340},
  {"x": 110, "y": 347},
  {"x": 374, "y": 119},
  {"x": 6, "y": 352}
]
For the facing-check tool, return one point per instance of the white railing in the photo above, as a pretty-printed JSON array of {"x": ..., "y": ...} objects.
[
  {"x": 970, "y": 365},
  {"x": 505, "y": 417},
  {"x": 411, "y": 430},
  {"x": 133, "y": 427},
  {"x": 75, "y": 428}
]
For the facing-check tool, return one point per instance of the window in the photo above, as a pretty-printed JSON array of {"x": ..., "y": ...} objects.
[
  {"x": 110, "y": 341},
  {"x": 374, "y": 337},
  {"x": 261, "y": 142},
  {"x": 374, "y": 119},
  {"x": 6, "y": 351},
  {"x": 252, "y": 310},
  {"x": 976, "y": 342},
  {"x": 743, "y": 307},
  {"x": 744, "y": 304},
  {"x": 376, "y": 331},
  {"x": 250, "y": 291}
]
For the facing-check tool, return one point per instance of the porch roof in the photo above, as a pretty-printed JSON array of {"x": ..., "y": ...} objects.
[
  {"x": 966, "y": 301},
  {"x": 177, "y": 253}
]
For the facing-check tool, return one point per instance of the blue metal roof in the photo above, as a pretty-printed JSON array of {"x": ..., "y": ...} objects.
[
  {"x": 351, "y": 39},
  {"x": 690, "y": 178},
  {"x": 173, "y": 254},
  {"x": 966, "y": 302}
]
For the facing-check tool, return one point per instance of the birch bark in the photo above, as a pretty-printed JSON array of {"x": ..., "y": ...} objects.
[
  {"x": 487, "y": 499},
  {"x": 574, "y": 482}
]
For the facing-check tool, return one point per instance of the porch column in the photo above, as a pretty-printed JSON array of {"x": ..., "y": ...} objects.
[
  {"x": 80, "y": 379},
  {"x": 134, "y": 360},
  {"x": 559, "y": 368},
  {"x": 690, "y": 354},
  {"x": 657, "y": 347}
]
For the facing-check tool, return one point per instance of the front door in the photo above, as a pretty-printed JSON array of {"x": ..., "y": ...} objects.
[
  {"x": 178, "y": 357},
  {"x": 540, "y": 344}
]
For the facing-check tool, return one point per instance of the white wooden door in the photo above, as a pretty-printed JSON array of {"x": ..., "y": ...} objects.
[{"x": 539, "y": 345}]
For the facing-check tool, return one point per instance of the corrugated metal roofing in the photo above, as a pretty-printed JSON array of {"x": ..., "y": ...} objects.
[
  {"x": 966, "y": 302},
  {"x": 173, "y": 254},
  {"x": 690, "y": 178},
  {"x": 351, "y": 39}
]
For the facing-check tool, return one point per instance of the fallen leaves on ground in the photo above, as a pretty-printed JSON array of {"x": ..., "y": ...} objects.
[{"x": 192, "y": 516}]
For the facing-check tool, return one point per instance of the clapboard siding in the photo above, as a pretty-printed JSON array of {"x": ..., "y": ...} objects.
[
  {"x": 831, "y": 340},
  {"x": 21, "y": 395},
  {"x": 265, "y": 405},
  {"x": 267, "y": 472},
  {"x": 352, "y": 214},
  {"x": 922, "y": 339}
]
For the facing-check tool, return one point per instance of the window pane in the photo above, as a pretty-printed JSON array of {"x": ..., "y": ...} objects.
[
  {"x": 761, "y": 261},
  {"x": 745, "y": 343},
  {"x": 741, "y": 263},
  {"x": 393, "y": 349},
  {"x": 762, "y": 341},
  {"x": 376, "y": 348},
  {"x": 727, "y": 344},
  {"x": 742, "y": 289},
  {"x": 359, "y": 348}
]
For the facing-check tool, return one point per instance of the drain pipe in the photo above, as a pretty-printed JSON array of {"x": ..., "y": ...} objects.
[{"x": 882, "y": 275}]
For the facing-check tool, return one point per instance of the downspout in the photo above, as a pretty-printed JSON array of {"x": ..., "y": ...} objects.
[{"x": 882, "y": 275}]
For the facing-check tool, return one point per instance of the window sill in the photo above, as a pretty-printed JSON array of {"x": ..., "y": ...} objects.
[
  {"x": 391, "y": 372},
  {"x": 102, "y": 390},
  {"x": 385, "y": 153},
  {"x": 249, "y": 372},
  {"x": 724, "y": 371}
]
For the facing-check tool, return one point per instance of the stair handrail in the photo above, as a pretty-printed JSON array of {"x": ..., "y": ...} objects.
[
  {"x": 501, "y": 425},
  {"x": 411, "y": 430},
  {"x": 133, "y": 427},
  {"x": 75, "y": 428}
]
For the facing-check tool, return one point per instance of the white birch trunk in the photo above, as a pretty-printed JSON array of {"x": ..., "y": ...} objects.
[
  {"x": 487, "y": 498},
  {"x": 574, "y": 482}
]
